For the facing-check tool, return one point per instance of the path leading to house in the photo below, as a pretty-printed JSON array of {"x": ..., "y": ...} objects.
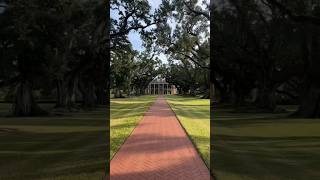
[{"x": 158, "y": 149}]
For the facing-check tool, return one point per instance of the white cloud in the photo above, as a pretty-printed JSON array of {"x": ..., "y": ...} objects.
[
  {"x": 135, "y": 40},
  {"x": 163, "y": 58}
]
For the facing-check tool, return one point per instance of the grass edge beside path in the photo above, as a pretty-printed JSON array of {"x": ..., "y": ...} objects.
[
  {"x": 126, "y": 114},
  {"x": 193, "y": 115}
]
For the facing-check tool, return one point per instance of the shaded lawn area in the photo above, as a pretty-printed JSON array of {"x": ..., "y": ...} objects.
[
  {"x": 250, "y": 146},
  {"x": 57, "y": 147},
  {"x": 125, "y": 115},
  {"x": 194, "y": 115}
]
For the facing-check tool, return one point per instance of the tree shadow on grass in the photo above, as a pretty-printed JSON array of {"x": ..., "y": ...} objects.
[
  {"x": 291, "y": 157},
  {"x": 242, "y": 121},
  {"x": 279, "y": 154},
  {"x": 31, "y": 155}
]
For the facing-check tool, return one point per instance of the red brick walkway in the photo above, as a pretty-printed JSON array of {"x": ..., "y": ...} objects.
[{"x": 158, "y": 149}]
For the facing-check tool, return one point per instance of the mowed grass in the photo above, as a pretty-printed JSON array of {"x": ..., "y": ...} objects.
[
  {"x": 70, "y": 146},
  {"x": 194, "y": 115},
  {"x": 125, "y": 115},
  {"x": 250, "y": 146}
]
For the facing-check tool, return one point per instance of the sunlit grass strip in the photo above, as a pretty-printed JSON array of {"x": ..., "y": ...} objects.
[
  {"x": 125, "y": 115},
  {"x": 194, "y": 115}
]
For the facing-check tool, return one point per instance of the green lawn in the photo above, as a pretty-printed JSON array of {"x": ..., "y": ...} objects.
[
  {"x": 194, "y": 115},
  {"x": 265, "y": 146},
  {"x": 61, "y": 147},
  {"x": 125, "y": 114}
]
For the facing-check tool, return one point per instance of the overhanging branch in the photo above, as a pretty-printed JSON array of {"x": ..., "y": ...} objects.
[
  {"x": 197, "y": 13},
  {"x": 194, "y": 61},
  {"x": 126, "y": 31}
]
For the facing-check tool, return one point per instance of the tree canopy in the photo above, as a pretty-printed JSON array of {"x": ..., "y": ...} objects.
[
  {"x": 266, "y": 51},
  {"x": 56, "y": 48},
  {"x": 178, "y": 29}
]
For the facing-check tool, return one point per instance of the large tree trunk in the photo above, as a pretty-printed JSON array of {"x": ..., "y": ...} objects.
[
  {"x": 118, "y": 93},
  {"x": 24, "y": 103},
  {"x": 142, "y": 91},
  {"x": 129, "y": 91},
  {"x": 101, "y": 94},
  {"x": 207, "y": 86},
  {"x": 310, "y": 94},
  {"x": 192, "y": 91},
  {"x": 266, "y": 99},
  {"x": 137, "y": 91},
  {"x": 212, "y": 93},
  {"x": 88, "y": 94},
  {"x": 71, "y": 94},
  {"x": 223, "y": 95},
  {"x": 185, "y": 90},
  {"x": 61, "y": 94},
  {"x": 310, "y": 103},
  {"x": 102, "y": 82},
  {"x": 238, "y": 100},
  {"x": 66, "y": 96}
]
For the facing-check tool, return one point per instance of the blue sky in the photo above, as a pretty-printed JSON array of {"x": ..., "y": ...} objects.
[{"x": 2, "y": 6}]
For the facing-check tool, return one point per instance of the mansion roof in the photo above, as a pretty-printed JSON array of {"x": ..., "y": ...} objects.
[{"x": 158, "y": 81}]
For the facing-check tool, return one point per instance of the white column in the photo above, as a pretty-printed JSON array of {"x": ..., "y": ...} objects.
[
  {"x": 153, "y": 89},
  {"x": 162, "y": 88},
  {"x": 166, "y": 88}
]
